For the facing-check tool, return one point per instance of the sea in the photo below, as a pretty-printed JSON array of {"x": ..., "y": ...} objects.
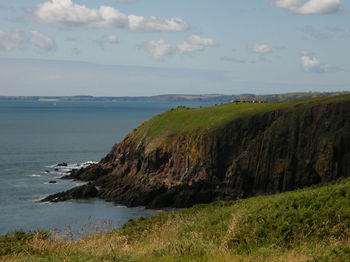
[{"x": 35, "y": 136}]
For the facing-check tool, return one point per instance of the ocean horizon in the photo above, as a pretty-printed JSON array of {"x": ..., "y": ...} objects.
[{"x": 35, "y": 136}]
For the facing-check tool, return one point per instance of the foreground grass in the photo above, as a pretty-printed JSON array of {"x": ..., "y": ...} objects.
[{"x": 307, "y": 225}]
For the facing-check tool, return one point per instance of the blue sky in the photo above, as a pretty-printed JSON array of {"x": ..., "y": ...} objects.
[{"x": 150, "y": 47}]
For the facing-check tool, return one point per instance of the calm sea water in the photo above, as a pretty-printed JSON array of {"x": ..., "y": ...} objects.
[{"x": 34, "y": 136}]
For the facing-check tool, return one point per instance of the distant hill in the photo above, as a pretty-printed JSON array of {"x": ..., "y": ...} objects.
[{"x": 178, "y": 97}]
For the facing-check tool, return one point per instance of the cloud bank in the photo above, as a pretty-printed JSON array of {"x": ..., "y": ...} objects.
[
  {"x": 42, "y": 41},
  {"x": 194, "y": 43},
  {"x": 11, "y": 40},
  {"x": 159, "y": 49},
  {"x": 261, "y": 49},
  {"x": 312, "y": 64},
  {"x": 311, "y": 7},
  {"x": 19, "y": 40},
  {"x": 65, "y": 13},
  {"x": 152, "y": 24}
]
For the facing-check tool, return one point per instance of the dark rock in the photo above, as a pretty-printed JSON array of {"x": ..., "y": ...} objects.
[
  {"x": 66, "y": 177},
  {"x": 62, "y": 164},
  {"x": 85, "y": 191},
  {"x": 56, "y": 169},
  {"x": 52, "y": 182}
]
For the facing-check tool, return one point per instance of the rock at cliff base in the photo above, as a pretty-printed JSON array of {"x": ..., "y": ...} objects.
[{"x": 85, "y": 191}]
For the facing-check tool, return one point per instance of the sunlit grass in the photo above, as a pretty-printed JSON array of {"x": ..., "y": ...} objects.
[
  {"x": 312, "y": 224},
  {"x": 183, "y": 121}
]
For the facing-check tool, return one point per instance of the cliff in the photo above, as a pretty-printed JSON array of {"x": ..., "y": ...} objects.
[{"x": 187, "y": 156}]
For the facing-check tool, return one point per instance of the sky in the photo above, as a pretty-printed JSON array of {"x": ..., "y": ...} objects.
[{"x": 152, "y": 47}]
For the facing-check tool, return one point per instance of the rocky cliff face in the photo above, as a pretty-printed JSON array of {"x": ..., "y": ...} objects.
[{"x": 264, "y": 153}]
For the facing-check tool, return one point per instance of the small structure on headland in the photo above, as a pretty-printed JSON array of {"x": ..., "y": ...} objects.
[{"x": 248, "y": 101}]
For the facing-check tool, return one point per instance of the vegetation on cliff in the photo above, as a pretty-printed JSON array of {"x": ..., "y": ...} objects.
[
  {"x": 312, "y": 224},
  {"x": 182, "y": 121}
]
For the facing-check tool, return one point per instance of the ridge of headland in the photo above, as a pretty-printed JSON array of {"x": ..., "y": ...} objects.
[{"x": 189, "y": 156}]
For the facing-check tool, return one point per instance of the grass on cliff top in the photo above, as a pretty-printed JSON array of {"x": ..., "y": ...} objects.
[
  {"x": 312, "y": 224},
  {"x": 181, "y": 120}
]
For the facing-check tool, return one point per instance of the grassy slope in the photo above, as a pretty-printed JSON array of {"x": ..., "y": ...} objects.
[
  {"x": 184, "y": 121},
  {"x": 312, "y": 224}
]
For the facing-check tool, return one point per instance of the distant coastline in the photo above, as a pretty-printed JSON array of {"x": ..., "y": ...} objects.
[
  {"x": 48, "y": 100},
  {"x": 220, "y": 98}
]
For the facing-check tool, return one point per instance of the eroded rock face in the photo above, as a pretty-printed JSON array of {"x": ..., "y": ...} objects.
[
  {"x": 85, "y": 191},
  {"x": 262, "y": 154}
]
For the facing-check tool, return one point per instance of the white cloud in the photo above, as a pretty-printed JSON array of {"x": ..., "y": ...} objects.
[
  {"x": 42, "y": 41},
  {"x": 261, "y": 49},
  {"x": 152, "y": 24},
  {"x": 112, "y": 39},
  {"x": 195, "y": 43},
  {"x": 311, "y": 7},
  {"x": 312, "y": 64},
  {"x": 159, "y": 49},
  {"x": 197, "y": 40},
  {"x": 68, "y": 14},
  {"x": 10, "y": 41},
  {"x": 186, "y": 47},
  {"x": 315, "y": 7},
  {"x": 286, "y": 3}
]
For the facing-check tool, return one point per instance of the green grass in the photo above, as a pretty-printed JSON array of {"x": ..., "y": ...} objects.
[
  {"x": 19, "y": 241},
  {"x": 184, "y": 122},
  {"x": 312, "y": 224}
]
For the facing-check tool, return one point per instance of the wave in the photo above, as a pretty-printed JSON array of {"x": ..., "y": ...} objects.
[
  {"x": 34, "y": 175},
  {"x": 72, "y": 166},
  {"x": 57, "y": 171}
]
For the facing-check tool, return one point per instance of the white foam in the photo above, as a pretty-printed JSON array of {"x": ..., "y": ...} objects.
[
  {"x": 34, "y": 175},
  {"x": 37, "y": 200},
  {"x": 52, "y": 166},
  {"x": 73, "y": 165},
  {"x": 85, "y": 164},
  {"x": 89, "y": 163},
  {"x": 80, "y": 183},
  {"x": 64, "y": 170},
  {"x": 59, "y": 173},
  {"x": 44, "y": 202}
]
